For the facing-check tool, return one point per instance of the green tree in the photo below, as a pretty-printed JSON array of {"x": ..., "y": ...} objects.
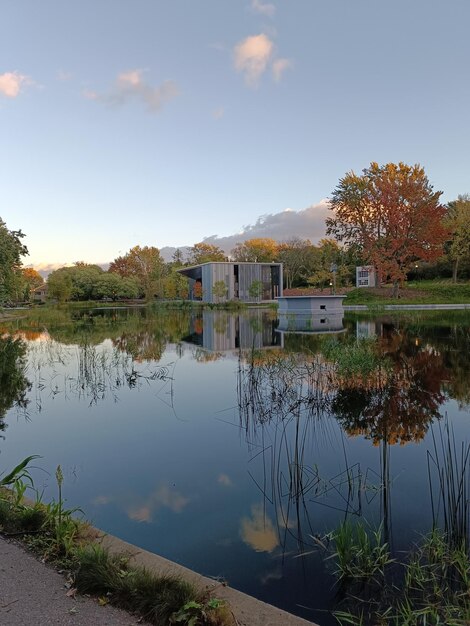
[
  {"x": 255, "y": 290},
  {"x": 113, "y": 286},
  {"x": 59, "y": 285},
  {"x": 393, "y": 214},
  {"x": 295, "y": 256},
  {"x": 457, "y": 221},
  {"x": 146, "y": 265},
  {"x": 219, "y": 290},
  {"x": 11, "y": 251}
]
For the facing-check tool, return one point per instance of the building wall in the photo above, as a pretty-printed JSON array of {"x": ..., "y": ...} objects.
[
  {"x": 247, "y": 275},
  {"x": 238, "y": 279},
  {"x": 365, "y": 276}
]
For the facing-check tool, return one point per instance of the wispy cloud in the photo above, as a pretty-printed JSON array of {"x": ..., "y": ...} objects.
[
  {"x": 252, "y": 56},
  {"x": 144, "y": 509},
  {"x": 279, "y": 66},
  {"x": 264, "y": 8},
  {"x": 163, "y": 497},
  {"x": 11, "y": 83},
  {"x": 130, "y": 86},
  {"x": 63, "y": 75},
  {"x": 218, "y": 113},
  {"x": 224, "y": 480}
]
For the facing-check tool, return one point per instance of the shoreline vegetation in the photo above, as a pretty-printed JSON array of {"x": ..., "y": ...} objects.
[
  {"x": 415, "y": 293},
  {"x": 56, "y": 536}
]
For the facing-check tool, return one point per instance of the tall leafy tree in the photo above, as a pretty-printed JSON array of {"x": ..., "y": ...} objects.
[
  {"x": 393, "y": 214},
  {"x": 59, "y": 284},
  {"x": 458, "y": 222},
  {"x": 11, "y": 251},
  {"x": 204, "y": 252},
  {"x": 257, "y": 250},
  {"x": 146, "y": 265},
  {"x": 295, "y": 255}
]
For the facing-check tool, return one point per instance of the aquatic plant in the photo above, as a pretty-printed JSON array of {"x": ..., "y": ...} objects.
[
  {"x": 360, "y": 553},
  {"x": 449, "y": 485}
]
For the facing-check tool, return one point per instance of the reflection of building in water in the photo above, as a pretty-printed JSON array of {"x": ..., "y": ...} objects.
[
  {"x": 366, "y": 329},
  {"x": 311, "y": 314},
  {"x": 219, "y": 331}
]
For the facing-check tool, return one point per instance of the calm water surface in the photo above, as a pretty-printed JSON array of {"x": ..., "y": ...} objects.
[{"x": 226, "y": 446}]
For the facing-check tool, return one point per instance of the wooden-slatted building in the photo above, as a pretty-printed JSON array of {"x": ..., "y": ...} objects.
[{"x": 222, "y": 281}]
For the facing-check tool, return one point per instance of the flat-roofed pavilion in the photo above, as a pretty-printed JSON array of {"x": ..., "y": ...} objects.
[{"x": 218, "y": 281}]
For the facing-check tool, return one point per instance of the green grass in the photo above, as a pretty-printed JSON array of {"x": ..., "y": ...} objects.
[
  {"x": 423, "y": 292},
  {"x": 55, "y": 535},
  {"x": 359, "y": 552},
  {"x": 434, "y": 589}
]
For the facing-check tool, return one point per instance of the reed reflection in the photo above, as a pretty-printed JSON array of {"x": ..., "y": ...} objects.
[{"x": 388, "y": 389}]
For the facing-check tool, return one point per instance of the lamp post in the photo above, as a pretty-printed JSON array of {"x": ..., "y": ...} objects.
[{"x": 333, "y": 270}]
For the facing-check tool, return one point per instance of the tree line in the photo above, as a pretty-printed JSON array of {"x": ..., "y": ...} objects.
[{"x": 388, "y": 216}]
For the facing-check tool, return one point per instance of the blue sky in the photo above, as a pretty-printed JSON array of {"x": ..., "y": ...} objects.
[{"x": 163, "y": 122}]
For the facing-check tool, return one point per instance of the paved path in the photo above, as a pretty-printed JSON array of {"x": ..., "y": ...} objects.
[{"x": 33, "y": 594}]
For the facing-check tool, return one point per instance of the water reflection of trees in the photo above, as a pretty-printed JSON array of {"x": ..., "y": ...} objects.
[
  {"x": 14, "y": 385},
  {"x": 87, "y": 372},
  {"x": 287, "y": 399},
  {"x": 396, "y": 406},
  {"x": 139, "y": 332}
]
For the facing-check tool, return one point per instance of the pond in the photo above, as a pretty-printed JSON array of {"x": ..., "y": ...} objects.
[{"x": 217, "y": 442}]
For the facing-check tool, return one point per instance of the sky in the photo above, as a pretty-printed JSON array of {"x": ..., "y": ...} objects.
[{"x": 165, "y": 122}]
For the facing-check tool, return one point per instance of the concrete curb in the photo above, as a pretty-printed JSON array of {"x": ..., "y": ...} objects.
[{"x": 248, "y": 611}]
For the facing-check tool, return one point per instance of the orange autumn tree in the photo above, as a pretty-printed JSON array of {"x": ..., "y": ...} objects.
[
  {"x": 257, "y": 250},
  {"x": 392, "y": 213}
]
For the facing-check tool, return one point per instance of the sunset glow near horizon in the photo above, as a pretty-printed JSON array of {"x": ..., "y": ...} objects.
[{"x": 162, "y": 123}]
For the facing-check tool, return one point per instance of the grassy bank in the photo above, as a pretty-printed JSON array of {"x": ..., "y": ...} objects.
[
  {"x": 423, "y": 292},
  {"x": 55, "y": 535}
]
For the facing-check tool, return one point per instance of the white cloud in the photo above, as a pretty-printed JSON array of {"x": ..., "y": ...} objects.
[
  {"x": 252, "y": 56},
  {"x": 11, "y": 83},
  {"x": 308, "y": 223},
  {"x": 131, "y": 85},
  {"x": 264, "y": 8},
  {"x": 279, "y": 66}
]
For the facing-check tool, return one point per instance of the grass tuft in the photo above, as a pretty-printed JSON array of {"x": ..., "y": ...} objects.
[{"x": 157, "y": 599}]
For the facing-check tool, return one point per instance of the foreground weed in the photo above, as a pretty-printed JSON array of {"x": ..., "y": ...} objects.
[
  {"x": 194, "y": 613},
  {"x": 157, "y": 599},
  {"x": 360, "y": 554},
  {"x": 434, "y": 590}
]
